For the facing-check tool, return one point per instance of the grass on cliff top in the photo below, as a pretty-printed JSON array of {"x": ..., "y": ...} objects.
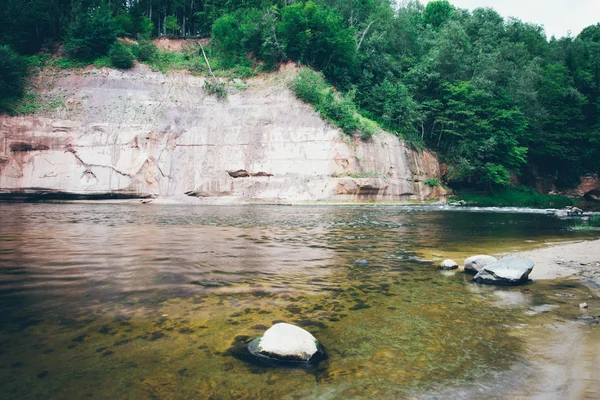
[
  {"x": 514, "y": 197},
  {"x": 337, "y": 108},
  {"x": 189, "y": 58}
]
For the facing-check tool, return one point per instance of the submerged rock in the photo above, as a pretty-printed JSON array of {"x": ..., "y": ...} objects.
[
  {"x": 288, "y": 343},
  {"x": 448, "y": 264},
  {"x": 506, "y": 271},
  {"x": 474, "y": 264}
]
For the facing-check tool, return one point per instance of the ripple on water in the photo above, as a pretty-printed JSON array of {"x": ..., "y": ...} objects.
[{"x": 113, "y": 301}]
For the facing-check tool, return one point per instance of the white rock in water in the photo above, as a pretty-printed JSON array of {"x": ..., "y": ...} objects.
[
  {"x": 475, "y": 263},
  {"x": 448, "y": 264},
  {"x": 285, "y": 342}
]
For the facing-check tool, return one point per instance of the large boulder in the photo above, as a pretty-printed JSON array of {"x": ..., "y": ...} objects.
[
  {"x": 474, "y": 264},
  {"x": 287, "y": 343},
  {"x": 506, "y": 271}
]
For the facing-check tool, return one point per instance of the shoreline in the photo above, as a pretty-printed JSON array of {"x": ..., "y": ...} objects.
[
  {"x": 565, "y": 354},
  {"x": 579, "y": 260}
]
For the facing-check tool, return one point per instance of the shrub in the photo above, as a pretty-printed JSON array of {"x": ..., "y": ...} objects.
[
  {"x": 215, "y": 87},
  {"x": 311, "y": 87},
  {"x": 515, "y": 197},
  {"x": 367, "y": 128},
  {"x": 340, "y": 111},
  {"x": 432, "y": 182},
  {"x": 144, "y": 50},
  {"x": 120, "y": 56}
]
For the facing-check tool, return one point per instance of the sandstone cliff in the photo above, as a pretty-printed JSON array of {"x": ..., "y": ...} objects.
[{"x": 141, "y": 133}]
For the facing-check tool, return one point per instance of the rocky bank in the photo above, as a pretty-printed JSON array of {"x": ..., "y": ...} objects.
[{"x": 103, "y": 133}]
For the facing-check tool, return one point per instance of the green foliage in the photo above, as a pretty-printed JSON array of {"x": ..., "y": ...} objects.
[
  {"x": 316, "y": 36},
  {"x": 393, "y": 105},
  {"x": 514, "y": 197},
  {"x": 63, "y": 63},
  {"x": 103, "y": 62},
  {"x": 592, "y": 224},
  {"x": 311, "y": 87},
  {"x": 125, "y": 24},
  {"x": 304, "y": 31},
  {"x": 120, "y": 56},
  {"x": 144, "y": 50},
  {"x": 90, "y": 34},
  {"x": 171, "y": 24},
  {"x": 238, "y": 33},
  {"x": 215, "y": 87},
  {"x": 437, "y": 13},
  {"x": 13, "y": 73},
  {"x": 432, "y": 182},
  {"x": 31, "y": 103}
]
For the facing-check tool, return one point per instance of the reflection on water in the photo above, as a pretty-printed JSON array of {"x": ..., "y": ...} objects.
[{"x": 140, "y": 301}]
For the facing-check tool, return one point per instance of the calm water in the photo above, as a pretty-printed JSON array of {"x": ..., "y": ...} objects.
[{"x": 122, "y": 301}]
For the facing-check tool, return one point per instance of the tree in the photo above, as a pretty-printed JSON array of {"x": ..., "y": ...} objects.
[
  {"x": 171, "y": 24},
  {"x": 91, "y": 33},
  {"x": 317, "y": 37},
  {"x": 437, "y": 13}
]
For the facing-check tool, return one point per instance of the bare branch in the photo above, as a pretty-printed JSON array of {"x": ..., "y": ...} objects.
[{"x": 364, "y": 34}]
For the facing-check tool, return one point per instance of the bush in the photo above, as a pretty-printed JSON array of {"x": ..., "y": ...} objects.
[
  {"x": 144, "y": 50},
  {"x": 515, "y": 197},
  {"x": 215, "y": 87},
  {"x": 432, "y": 182},
  {"x": 311, "y": 87},
  {"x": 120, "y": 56}
]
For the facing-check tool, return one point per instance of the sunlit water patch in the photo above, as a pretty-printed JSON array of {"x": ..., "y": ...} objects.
[{"x": 124, "y": 301}]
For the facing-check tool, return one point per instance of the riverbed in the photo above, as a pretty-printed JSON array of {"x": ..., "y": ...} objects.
[{"x": 140, "y": 301}]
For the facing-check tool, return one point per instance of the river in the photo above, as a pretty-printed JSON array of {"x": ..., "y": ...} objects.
[{"x": 132, "y": 301}]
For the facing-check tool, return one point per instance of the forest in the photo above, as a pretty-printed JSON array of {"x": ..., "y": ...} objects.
[{"x": 495, "y": 98}]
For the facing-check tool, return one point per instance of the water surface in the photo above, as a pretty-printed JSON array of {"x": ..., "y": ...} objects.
[{"x": 110, "y": 301}]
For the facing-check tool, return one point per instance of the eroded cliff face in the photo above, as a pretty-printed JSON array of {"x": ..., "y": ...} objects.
[{"x": 141, "y": 133}]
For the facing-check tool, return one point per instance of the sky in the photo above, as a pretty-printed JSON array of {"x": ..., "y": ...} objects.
[{"x": 557, "y": 16}]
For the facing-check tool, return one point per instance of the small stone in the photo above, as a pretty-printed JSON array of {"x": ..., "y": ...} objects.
[
  {"x": 583, "y": 305},
  {"x": 448, "y": 265}
]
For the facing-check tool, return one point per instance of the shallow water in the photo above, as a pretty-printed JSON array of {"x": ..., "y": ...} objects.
[{"x": 143, "y": 301}]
